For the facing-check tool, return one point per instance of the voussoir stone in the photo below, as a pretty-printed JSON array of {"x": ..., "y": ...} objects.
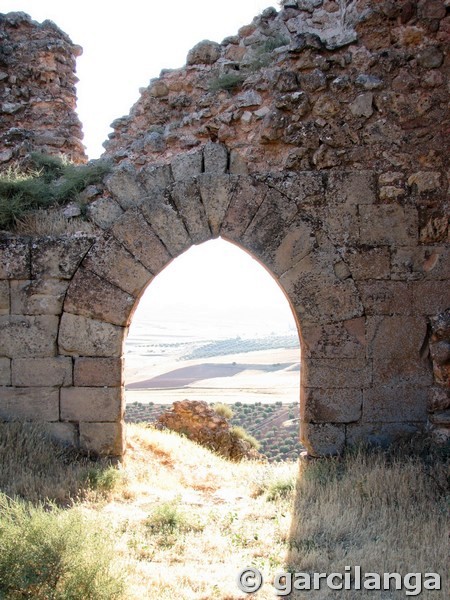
[
  {"x": 110, "y": 260},
  {"x": 85, "y": 291},
  {"x": 187, "y": 198},
  {"x": 124, "y": 186},
  {"x": 167, "y": 224}
]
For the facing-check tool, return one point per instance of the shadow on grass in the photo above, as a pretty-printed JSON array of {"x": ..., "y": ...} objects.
[
  {"x": 385, "y": 511},
  {"x": 35, "y": 469}
]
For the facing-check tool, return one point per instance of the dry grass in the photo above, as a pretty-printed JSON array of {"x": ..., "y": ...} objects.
[
  {"x": 186, "y": 520},
  {"x": 51, "y": 222}
]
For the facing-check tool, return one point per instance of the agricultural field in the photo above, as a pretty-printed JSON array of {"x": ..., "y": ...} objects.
[{"x": 275, "y": 426}]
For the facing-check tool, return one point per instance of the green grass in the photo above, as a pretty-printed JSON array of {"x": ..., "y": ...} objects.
[
  {"x": 241, "y": 433},
  {"x": 224, "y": 410},
  {"x": 52, "y": 554},
  {"x": 49, "y": 182}
]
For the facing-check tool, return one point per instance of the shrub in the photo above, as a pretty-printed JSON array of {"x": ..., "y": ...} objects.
[
  {"x": 223, "y": 410},
  {"x": 168, "y": 518},
  {"x": 54, "y": 554},
  {"x": 240, "y": 432},
  {"x": 51, "y": 182},
  {"x": 228, "y": 81}
]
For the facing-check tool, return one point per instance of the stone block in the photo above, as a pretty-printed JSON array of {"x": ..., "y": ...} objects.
[
  {"x": 110, "y": 260},
  {"x": 379, "y": 434},
  {"x": 329, "y": 373},
  {"x": 104, "y": 439},
  {"x": 94, "y": 297},
  {"x": 28, "y": 336},
  {"x": 270, "y": 223},
  {"x": 167, "y": 224},
  {"x": 386, "y": 297},
  {"x": 351, "y": 187},
  {"x": 5, "y": 371},
  {"x": 38, "y": 296},
  {"x": 397, "y": 403},
  {"x": 4, "y": 298},
  {"x": 15, "y": 258},
  {"x": 342, "y": 224},
  {"x": 346, "y": 339},
  {"x": 215, "y": 158},
  {"x": 92, "y": 404},
  {"x": 303, "y": 187},
  {"x": 367, "y": 262},
  {"x": 124, "y": 186},
  {"x": 331, "y": 405},
  {"x": 80, "y": 336},
  {"x": 133, "y": 231},
  {"x": 322, "y": 439},
  {"x": 42, "y": 372},
  {"x": 186, "y": 196},
  {"x": 419, "y": 262},
  {"x": 156, "y": 178},
  {"x": 29, "y": 404},
  {"x": 431, "y": 297},
  {"x": 216, "y": 192},
  {"x": 389, "y": 224},
  {"x": 438, "y": 398},
  {"x": 247, "y": 197},
  {"x": 58, "y": 258},
  {"x": 186, "y": 166},
  {"x": 296, "y": 242},
  {"x": 104, "y": 212},
  {"x": 64, "y": 434},
  {"x": 395, "y": 344},
  {"x": 98, "y": 372},
  {"x": 318, "y": 296}
]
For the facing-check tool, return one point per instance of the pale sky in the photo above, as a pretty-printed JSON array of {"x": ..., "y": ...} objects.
[{"x": 125, "y": 44}]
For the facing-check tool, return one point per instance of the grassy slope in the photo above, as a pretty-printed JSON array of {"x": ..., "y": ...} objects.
[{"x": 185, "y": 521}]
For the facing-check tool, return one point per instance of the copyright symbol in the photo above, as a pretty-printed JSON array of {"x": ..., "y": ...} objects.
[{"x": 249, "y": 580}]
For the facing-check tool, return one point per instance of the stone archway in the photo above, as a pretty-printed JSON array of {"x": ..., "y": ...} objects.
[{"x": 293, "y": 223}]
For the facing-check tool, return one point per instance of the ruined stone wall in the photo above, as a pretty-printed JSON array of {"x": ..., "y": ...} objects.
[
  {"x": 326, "y": 160},
  {"x": 37, "y": 91}
]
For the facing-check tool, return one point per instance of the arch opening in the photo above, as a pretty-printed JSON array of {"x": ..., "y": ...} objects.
[{"x": 214, "y": 326}]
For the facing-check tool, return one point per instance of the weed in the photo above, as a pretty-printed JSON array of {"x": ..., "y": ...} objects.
[
  {"x": 51, "y": 182},
  {"x": 54, "y": 554},
  {"x": 239, "y": 432},
  {"x": 227, "y": 81},
  {"x": 224, "y": 410}
]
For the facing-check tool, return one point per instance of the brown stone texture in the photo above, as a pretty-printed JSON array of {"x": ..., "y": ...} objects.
[
  {"x": 58, "y": 257},
  {"x": 14, "y": 258},
  {"x": 84, "y": 292},
  {"x": 92, "y": 404},
  {"x": 97, "y": 372},
  {"x": 103, "y": 438},
  {"x": 80, "y": 336},
  {"x": 24, "y": 336},
  {"x": 331, "y": 405},
  {"x": 38, "y": 296},
  {"x": 41, "y": 372},
  {"x": 110, "y": 260},
  {"x": 4, "y": 298},
  {"x": 38, "y": 80},
  {"x": 201, "y": 424},
  {"x": 29, "y": 404},
  {"x": 327, "y": 162}
]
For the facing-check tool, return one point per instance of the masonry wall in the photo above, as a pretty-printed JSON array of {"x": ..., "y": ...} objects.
[
  {"x": 37, "y": 91},
  {"x": 327, "y": 161}
]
